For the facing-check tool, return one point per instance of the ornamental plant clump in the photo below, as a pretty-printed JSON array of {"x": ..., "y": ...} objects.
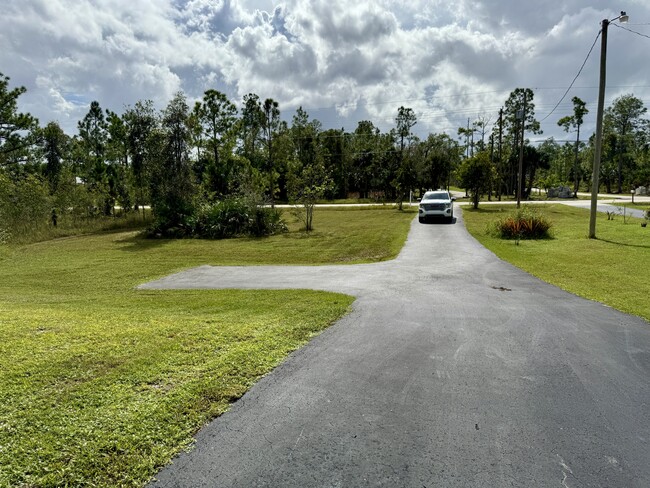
[{"x": 524, "y": 223}]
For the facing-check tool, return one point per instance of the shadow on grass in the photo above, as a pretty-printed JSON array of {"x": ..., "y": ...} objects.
[
  {"x": 527, "y": 239},
  {"x": 486, "y": 210},
  {"x": 609, "y": 241},
  {"x": 139, "y": 242}
]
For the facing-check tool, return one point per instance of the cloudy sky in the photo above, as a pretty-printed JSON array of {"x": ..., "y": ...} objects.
[{"x": 342, "y": 60}]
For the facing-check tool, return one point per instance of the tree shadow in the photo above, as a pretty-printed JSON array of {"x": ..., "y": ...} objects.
[
  {"x": 138, "y": 243},
  {"x": 485, "y": 209},
  {"x": 609, "y": 241}
]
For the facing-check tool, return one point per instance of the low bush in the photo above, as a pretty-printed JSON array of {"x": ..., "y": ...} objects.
[
  {"x": 524, "y": 223},
  {"x": 230, "y": 217},
  {"x": 25, "y": 207},
  {"x": 226, "y": 218},
  {"x": 266, "y": 221},
  {"x": 5, "y": 236}
]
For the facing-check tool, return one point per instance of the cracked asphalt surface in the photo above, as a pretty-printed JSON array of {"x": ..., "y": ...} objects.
[{"x": 454, "y": 369}]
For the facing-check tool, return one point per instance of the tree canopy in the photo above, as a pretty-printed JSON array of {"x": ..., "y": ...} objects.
[
  {"x": 183, "y": 162},
  {"x": 17, "y": 130}
]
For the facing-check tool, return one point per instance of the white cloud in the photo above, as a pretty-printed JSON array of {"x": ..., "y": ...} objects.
[{"x": 447, "y": 60}]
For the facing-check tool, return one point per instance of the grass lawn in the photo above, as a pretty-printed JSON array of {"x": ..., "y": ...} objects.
[
  {"x": 636, "y": 205},
  {"x": 101, "y": 384},
  {"x": 610, "y": 269}
]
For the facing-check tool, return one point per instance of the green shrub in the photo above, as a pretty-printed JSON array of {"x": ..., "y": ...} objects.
[
  {"x": 25, "y": 208},
  {"x": 266, "y": 221},
  {"x": 5, "y": 236},
  {"x": 524, "y": 223},
  {"x": 229, "y": 217},
  {"x": 226, "y": 218}
]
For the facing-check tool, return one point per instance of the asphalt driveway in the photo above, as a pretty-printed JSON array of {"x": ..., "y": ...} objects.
[{"x": 454, "y": 369}]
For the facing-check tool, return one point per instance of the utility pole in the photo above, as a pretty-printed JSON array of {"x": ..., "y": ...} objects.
[
  {"x": 492, "y": 148},
  {"x": 595, "y": 184},
  {"x": 467, "y": 139},
  {"x": 599, "y": 124},
  {"x": 491, "y": 162},
  {"x": 575, "y": 164},
  {"x": 500, "y": 142},
  {"x": 472, "y": 142},
  {"x": 521, "y": 152}
]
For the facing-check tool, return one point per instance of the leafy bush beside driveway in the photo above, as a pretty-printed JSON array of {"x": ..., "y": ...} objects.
[{"x": 524, "y": 223}]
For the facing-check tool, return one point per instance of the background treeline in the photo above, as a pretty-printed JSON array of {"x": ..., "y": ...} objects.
[
  {"x": 492, "y": 162},
  {"x": 217, "y": 168}
]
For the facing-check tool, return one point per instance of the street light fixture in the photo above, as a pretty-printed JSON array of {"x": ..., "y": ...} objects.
[{"x": 623, "y": 18}]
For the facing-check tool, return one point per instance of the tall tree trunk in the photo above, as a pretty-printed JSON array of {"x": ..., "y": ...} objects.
[
  {"x": 621, "y": 152},
  {"x": 620, "y": 173},
  {"x": 533, "y": 171}
]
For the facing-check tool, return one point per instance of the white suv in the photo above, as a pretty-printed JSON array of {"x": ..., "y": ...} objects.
[{"x": 437, "y": 203}]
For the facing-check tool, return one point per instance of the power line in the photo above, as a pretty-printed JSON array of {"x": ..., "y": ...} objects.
[
  {"x": 630, "y": 30},
  {"x": 576, "y": 77}
]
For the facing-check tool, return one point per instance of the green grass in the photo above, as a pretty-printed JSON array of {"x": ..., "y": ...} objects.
[
  {"x": 644, "y": 205},
  {"x": 348, "y": 201},
  {"x": 610, "y": 269},
  {"x": 100, "y": 384},
  {"x": 340, "y": 235},
  {"x": 635, "y": 205},
  {"x": 68, "y": 225}
]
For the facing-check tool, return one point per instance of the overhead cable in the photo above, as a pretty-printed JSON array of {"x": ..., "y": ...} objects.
[{"x": 574, "y": 79}]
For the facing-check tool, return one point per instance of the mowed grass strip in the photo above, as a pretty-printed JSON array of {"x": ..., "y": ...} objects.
[
  {"x": 100, "y": 384},
  {"x": 609, "y": 269}
]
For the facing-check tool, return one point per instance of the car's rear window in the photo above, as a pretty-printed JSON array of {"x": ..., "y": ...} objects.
[{"x": 440, "y": 195}]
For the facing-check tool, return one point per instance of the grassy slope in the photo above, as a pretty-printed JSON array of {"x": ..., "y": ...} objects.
[
  {"x": 100, "y": 384},
  {"x": 610, "y": 269}
]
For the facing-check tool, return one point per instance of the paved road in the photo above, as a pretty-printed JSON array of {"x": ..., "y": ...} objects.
[
  {"x": 454, "y": 369},
  {"x": 619, "y": 208}
]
